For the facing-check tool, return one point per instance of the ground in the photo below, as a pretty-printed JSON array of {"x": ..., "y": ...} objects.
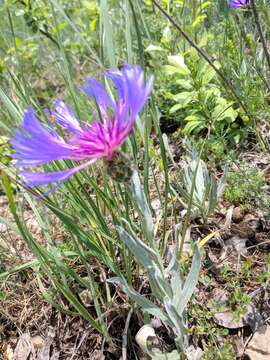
[{"x": 231, "y": 302}]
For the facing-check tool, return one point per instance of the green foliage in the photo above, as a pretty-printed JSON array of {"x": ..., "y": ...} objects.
[
  {"x": 225, "y": 351},
  {"x": 167, "y": 284},
  {"x": 199, "y": 101},
  {"x": 210, "y": 334},
  {"x": 198, "y": 187},
  {"x": 238, "y": 302},
  {"x": 5, "y": 150},
  {"x": 217, "y": 151},
  {"x": 245, "y": 192}
]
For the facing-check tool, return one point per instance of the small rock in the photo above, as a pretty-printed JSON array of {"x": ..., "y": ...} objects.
[
  {"x": 86, "y": 297},
  {"x": 227, "y": 320},
  {"x": 238, "y": 244},
  {"x": 238, "y": 214},
  {"x": 9, "y": 355},
  {"x": 37, "y": 341},
  {"x": 156, "y": 323},
  {"x": 251, "y": 318},
  {"x": 259, "y": 346},
  {"x": 156, "y": 206},
  {"x": 193, "y": 353},
  {"x": 255, "y": 319}
]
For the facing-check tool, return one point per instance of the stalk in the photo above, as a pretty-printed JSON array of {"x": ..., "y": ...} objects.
[{"x": 258, "y": 25}]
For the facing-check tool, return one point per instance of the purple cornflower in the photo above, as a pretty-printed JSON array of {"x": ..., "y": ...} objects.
[
  {"x": 36, "y": 144},
  {"x": 235, "y": 4}
]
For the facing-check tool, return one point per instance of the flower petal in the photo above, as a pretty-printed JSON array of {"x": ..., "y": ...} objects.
[
  {"x": 65, "y": 117},
  {"x": 35, "y": 145},
  {"x": 31, "y": 179},
  {"x": 235, "y": 4},
  {"x": 96, "y": 90},
  {"x": 132, "y": 95}
]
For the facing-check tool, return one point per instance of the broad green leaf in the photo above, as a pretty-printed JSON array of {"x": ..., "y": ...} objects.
[
  {"x": 203, "y": 40},
  {"x": 90, "y": 5},
  {"x": 193, "y": 118},
  {"x": 202, "y": 6},
  {"x": 178, "y": 62},
  {"x": 192, "y": 126},
  {"x": 206, "y": 73},
  {"x": 183, "y": 99},
  {"x": 172, "y": 70},
  {"x": 159, "y": 285},
  {"x": 174, "y": 316},
  {"x": 150, "y": 48},
  {"x": 166, "y": 35},
  {"x": 224, "y": 110},
  {"x": 175, "y": 108},
  {"x": 3, "y": 295},
  {"x": 186, "y": 84},
  {"x": 183, "y": 96}
]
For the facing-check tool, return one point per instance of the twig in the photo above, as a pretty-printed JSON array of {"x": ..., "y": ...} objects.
[
  {"x": 124, "y": 337},
  {"x": 257, "y": 245},
  {"x": 258, "y": 24},
  {"x": 202, "y": 53},
  {"x": 259, "y": 70}
]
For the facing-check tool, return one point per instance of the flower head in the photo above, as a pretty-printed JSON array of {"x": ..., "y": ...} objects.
[
  {"x": 36, "y": 144},
  {"x": 235, "y": 4}
]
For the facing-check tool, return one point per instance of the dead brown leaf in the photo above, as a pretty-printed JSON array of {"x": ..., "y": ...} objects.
[
  {"x": 8, "y": 355},
  {"x": 24, "y": 348}
]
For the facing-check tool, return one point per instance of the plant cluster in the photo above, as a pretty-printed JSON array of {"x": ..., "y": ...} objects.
[{"x": 100, "y": 165}]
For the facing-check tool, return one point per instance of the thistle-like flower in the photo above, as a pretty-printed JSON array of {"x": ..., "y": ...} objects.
[
  {"x": 235, "y": 4},
  {"x": 35, "y": 144}
]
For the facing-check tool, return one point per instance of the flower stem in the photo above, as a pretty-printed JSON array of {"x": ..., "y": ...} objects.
[{"x": 262, "y": 38}]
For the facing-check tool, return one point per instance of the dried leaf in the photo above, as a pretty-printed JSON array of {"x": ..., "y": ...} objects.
[
  {"x": 44, "y": 352},
  {"x": 24, "y": 348},
  {"x": 238, "y": 344},
  {"x": 156, "y": 206},
  {"x": 8, "y": 355},
  {"x": 238, "y": 214},
  {"x": 86, "y": 297}
]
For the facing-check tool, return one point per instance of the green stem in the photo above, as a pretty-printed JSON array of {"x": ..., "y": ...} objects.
[{"x": 262, "y": 38}]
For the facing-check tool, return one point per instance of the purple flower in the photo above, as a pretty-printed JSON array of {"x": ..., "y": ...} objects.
[
  {"x": 36, "y": 144},
  {"x": 235, "y": 4}
]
